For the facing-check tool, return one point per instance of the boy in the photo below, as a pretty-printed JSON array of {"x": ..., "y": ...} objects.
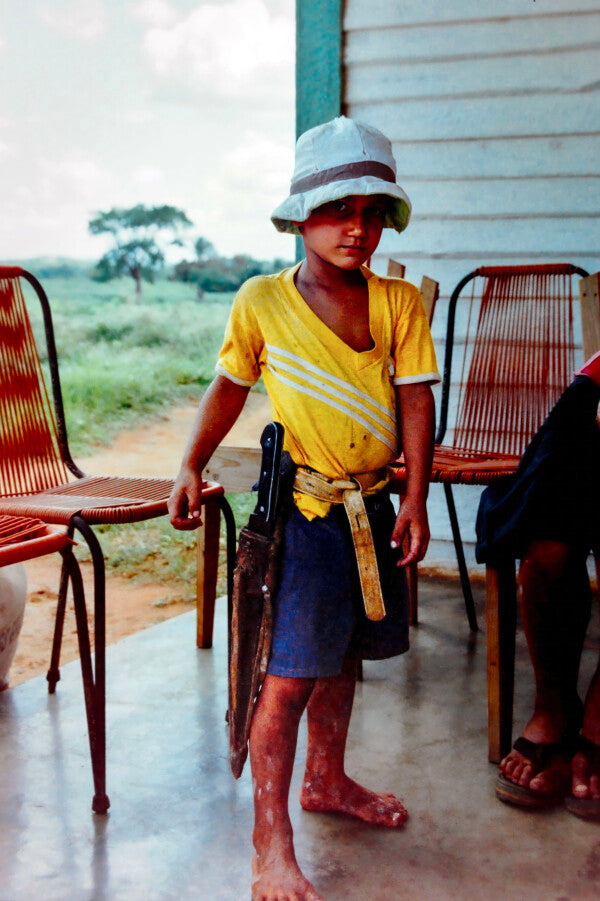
[{"x": 345, "y": 355}]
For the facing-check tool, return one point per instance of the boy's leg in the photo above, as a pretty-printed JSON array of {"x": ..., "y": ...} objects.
[
  {"x": 326, "y": 787},
  {"x": 273, "y": 738},
  {"x": 554, "y": 606}
]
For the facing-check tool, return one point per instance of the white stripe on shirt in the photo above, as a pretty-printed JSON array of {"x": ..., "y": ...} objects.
[
  {"x": 347, "y": 386},
  {"x": 336, "y": 405},
  {"x": 276, "y": 365}
]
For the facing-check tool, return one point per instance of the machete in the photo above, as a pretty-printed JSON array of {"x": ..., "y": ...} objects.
[{"x": 251, "y": 614}]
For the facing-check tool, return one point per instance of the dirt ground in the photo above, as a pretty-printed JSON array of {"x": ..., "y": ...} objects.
[{"x": 153, "y": 450}]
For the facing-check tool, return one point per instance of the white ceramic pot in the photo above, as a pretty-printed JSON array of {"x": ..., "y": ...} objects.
[{"x": 13, "y": 595}]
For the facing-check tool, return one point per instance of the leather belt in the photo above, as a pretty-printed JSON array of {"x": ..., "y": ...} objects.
[{"x": 349, "y": 492}]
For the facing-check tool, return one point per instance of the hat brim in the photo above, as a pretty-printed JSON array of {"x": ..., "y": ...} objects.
[{"x": 298, "y": 207}]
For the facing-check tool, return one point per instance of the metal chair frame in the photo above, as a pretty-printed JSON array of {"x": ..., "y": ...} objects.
[
  {"x": 489, "y": 470},
  {"x": 107, "y": 500}
]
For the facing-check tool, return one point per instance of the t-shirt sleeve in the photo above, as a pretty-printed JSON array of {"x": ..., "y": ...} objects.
[
  {"x": 413, "y": 351},
  {"x": 239, "y": 358}
]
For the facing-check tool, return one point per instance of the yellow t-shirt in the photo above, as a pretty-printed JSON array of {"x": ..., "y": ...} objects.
[{"x": 337, "y": 405}]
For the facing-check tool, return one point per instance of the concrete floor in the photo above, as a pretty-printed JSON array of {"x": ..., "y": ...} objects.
[{"x": 179, "y": 825}]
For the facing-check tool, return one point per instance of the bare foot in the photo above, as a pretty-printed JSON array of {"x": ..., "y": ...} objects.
[
  {"x": 279, "y": 878},
  {"x": 351, "y": 798}
]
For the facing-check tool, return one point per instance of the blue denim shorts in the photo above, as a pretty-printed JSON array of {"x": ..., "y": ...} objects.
[{"x": 319, "y": 617}]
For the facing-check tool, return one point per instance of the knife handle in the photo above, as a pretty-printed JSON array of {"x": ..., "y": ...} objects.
[{"x": 271, "y": 442}]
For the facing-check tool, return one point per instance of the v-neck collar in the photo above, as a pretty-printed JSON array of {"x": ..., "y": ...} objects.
[{"x": 322, "y": 331}]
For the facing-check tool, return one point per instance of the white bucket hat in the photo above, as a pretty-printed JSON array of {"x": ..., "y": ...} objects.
[{"x": 337, "y": 159}]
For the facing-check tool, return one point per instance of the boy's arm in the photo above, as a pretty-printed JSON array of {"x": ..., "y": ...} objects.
[
  {"x": 218, "y": 410},
  {"x": 417, "y": 429}
]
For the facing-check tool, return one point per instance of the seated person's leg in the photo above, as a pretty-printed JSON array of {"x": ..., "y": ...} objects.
[{"x": 554, "y": 600}]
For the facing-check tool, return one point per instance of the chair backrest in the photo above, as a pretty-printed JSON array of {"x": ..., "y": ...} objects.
[
  {"x": 430, "y": 289},
  {"x": 30, "y": 449},
  {"x": 510, "y": 352}
]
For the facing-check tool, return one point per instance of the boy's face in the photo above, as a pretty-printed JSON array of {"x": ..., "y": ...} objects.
[{"x": 346, "y": 232}]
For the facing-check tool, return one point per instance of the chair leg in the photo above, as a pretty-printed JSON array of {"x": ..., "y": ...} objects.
[
  {"x": 207, "y": 545},
  {"x": 100, "y": 803},
  {"x": 501, "y": 622},
  {"x": 460, "y": 558},
  {"x": 53, "y": 674}
]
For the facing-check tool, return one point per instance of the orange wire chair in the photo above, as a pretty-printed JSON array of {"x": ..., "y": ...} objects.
[
  {"x": 511, "y": 340},
  {"x": 516, "y": 325},
  {"x": 515, "y": 329},
  {"x": 38, "y": 478}
]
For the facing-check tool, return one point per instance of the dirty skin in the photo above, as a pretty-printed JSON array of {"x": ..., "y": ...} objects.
[
  {"x": 349, "y": 798},
  {"x": 276, "y": 874}
]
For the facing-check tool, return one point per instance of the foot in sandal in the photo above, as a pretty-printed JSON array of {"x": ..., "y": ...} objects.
[
  {"x": 534, "y": 775},
  {"x": 584, "y": 800}
]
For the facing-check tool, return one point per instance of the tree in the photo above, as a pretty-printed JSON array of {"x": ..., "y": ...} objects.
[
  {"x": 213, "y": 273},
  {"x": 139, "y": 241},
  {"x": 204, "y": 249}
]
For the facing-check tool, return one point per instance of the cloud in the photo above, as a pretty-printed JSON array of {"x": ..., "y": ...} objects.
[
  {"x": 240, "y": 193},
  {"x": 146, "y": 177},
  {"x": 233, "y": 48},
  {"x": 82, "y": 20},
  {"x": 79, "y": 176},
  {"x": 156, "y": 13},
  {"x": 49, "y": 212},
  {"x": 270, "y": 163},
  {"x": 76, "y": 174}
]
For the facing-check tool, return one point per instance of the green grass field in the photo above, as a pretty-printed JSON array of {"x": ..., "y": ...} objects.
[{"x": 122, "y": 363}]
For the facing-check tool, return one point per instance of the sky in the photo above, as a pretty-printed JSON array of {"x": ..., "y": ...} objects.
[{"x": 111, "y": 103}]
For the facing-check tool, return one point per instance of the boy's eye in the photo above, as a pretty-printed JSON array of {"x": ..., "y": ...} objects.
[
  {"x": 376, "y": 212},
  {"x": 338, "y": 206}
]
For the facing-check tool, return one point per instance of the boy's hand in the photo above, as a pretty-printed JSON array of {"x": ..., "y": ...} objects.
[
  {"x": 218, "y": 410},
  {"x": 185, "y": 501},
  {"x": 412, "y": 522}
]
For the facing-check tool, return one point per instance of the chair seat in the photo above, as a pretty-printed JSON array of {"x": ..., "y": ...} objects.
[
  {"x": 459, "y": 465},
  {"x": 455, "y": 465},
  {"x": 22, "y": 538},
  {"x": 100, "y": 499}
]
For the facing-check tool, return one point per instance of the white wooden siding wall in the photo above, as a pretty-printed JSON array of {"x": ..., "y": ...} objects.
[{"x": 494, "y": 114}]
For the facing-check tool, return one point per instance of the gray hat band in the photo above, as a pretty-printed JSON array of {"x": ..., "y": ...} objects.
[{"x": 343, "y": 173}]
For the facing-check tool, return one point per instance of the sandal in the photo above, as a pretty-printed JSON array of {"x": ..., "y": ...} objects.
[
  {"x": 585, "y": 808},
  {"x": 541, "y": 755}
]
